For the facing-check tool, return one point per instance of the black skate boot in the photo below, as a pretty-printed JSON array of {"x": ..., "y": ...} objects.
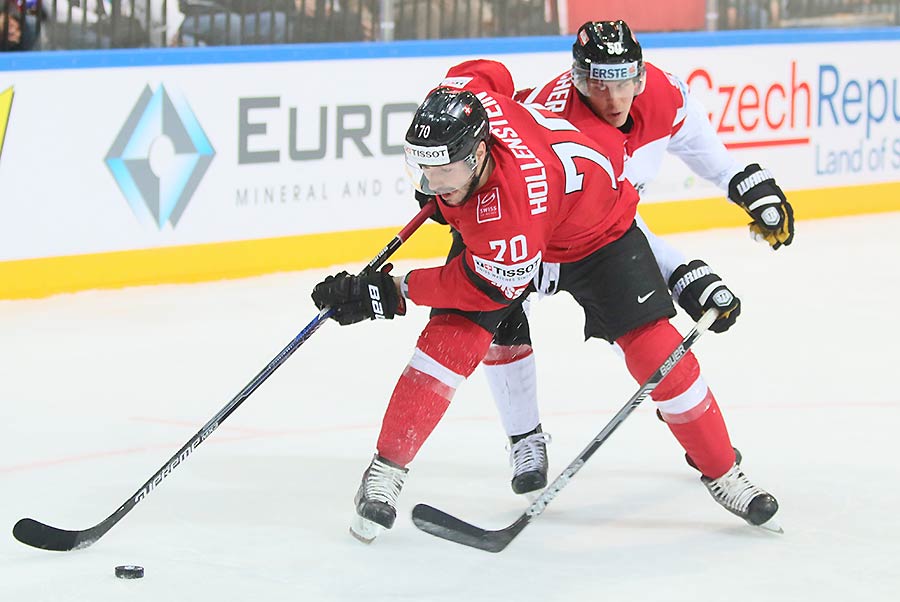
[
  {"x": 737, "y": 459},
  {"x": 528, "y": 457},
  {"x": 376, "y": 499},
  {"x": 734, "y": 492}
]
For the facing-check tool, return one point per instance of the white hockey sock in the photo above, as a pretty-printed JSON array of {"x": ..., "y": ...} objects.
[{"x": 514, "y": 385}]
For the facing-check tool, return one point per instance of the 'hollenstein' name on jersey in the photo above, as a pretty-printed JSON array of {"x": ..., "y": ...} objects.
[{"x": 531, "y": 166}]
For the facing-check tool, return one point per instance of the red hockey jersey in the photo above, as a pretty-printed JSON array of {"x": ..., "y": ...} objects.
[{"x": 555, "y": 195}]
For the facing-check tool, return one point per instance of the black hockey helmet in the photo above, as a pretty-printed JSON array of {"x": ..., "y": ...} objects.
[
  {"x": 445, "y": 133},
  {"x": 446, "y": 128},
  {"x": 607, "y": 51}
]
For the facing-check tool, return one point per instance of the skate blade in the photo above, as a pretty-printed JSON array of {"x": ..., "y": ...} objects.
[
  {"x": 531, "y": 496},
  {"x": 771, "y": 525},
  {"x": 365, "y": 530}
]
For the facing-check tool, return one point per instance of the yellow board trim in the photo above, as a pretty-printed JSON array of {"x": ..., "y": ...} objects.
[
  {"x": 34, "y": 278},
  {"x": 703, "y": 214},
  {"x": 6, "y": 98}
]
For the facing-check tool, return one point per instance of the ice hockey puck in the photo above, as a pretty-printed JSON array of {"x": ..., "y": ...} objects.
[{"x": 129, "y": 571}]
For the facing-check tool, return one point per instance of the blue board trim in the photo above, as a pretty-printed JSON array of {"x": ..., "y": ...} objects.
[{"x": 148, "y": 57}]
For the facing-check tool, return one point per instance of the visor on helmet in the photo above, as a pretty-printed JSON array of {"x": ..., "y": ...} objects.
[
  {"x": 431, "y": 171},
  {"x": 618, "y": 79}
]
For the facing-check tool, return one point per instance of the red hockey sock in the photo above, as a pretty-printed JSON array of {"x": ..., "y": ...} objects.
[
  {"x": 706, "y": 441},
  {"x": 686, "y": 403},
  {"x": 646, "y": 348},
  {"x": 448, "y": 351},
  {"x": 417, "y": 405}
]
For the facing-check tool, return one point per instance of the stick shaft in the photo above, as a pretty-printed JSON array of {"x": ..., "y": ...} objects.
[{"x": 39, "y": 535}]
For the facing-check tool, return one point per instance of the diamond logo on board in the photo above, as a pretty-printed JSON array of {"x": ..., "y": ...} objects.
[{"x": 159, "y": 156}]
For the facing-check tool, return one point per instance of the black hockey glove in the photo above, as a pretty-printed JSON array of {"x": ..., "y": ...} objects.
[
  {"x": 696, "y": 288},
  {"x": 368, "y": 296},
  {"x": 755, "y": 190},
  {"x": 423, "y": 199}
]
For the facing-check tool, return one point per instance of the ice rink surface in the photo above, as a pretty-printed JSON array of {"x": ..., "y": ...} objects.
[{"x": 99, "y": 389}]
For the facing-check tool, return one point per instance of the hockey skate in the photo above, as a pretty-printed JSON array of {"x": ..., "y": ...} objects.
[
  {"x": 528, "y": 457},
  {"x": 734, "y": 492},
  {"x": 376, "y": 499}
]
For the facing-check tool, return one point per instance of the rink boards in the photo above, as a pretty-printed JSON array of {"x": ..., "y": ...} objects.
[{"x": 129, "y": 167}]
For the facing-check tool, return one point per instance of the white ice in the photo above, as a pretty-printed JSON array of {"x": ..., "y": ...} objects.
[{"x": 99, "y": 389}]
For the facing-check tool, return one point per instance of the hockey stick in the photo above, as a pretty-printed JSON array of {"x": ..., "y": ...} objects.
[
  {"x": 443, "y": 525},
  {"x": 45, "y": 537}
]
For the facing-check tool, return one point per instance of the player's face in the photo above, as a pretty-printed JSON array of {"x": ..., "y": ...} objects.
[
  {"x": 447, "y": 179},
  {"x": 611, "y": 100},
  {"x": 452, "y": 182},
  {"x": 14, "y": 36}
]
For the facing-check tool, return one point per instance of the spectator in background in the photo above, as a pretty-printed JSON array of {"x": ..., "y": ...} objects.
[
  {"x": 10, "y": 30},
  {"x": 18, "y": 26},
  {"x": 159, "y": 23},
  {"x": 276, "y": 21},
  {"x": 753, "y": 14},
  {"x": 233, "y": 22},
  {"x": 438, "y": 19},
  {"x": 112, "y": 23},
  {"x": 523, "y": 18},
  {"x": 333, "y": 21}
]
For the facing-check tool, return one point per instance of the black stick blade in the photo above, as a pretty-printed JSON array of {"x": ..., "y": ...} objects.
[
  {"x": 440, "y": 524},
  {"x": 38, "y": 535}
]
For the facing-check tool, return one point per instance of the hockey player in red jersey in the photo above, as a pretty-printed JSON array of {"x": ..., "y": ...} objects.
[
  {"x": 539, "y": 206},
  {"x": 609, "y": 84}
]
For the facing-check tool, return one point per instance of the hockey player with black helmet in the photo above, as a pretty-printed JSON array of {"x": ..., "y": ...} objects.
[
  {"x": 610, "y": 84},
  {"x": 505, "y": 178},
  {"x": 453, "y": 167},
  {"x": 608, "y": 69}
]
